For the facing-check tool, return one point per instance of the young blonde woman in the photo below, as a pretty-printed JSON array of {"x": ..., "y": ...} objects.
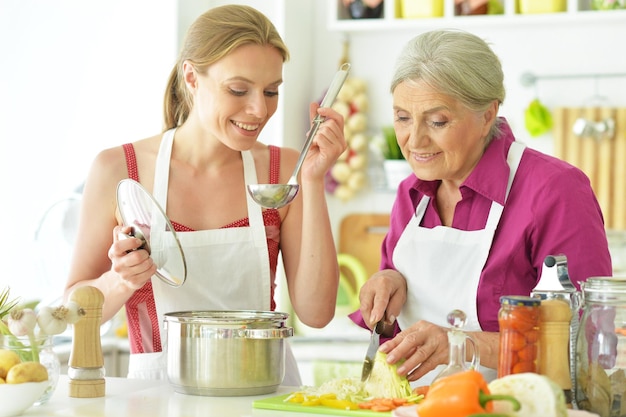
[{"x": 221, "y": 93}]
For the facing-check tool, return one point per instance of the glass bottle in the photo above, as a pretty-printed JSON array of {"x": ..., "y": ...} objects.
[
  {"x": 456, "y": 340},
  {"x": 519, "y": 335},
  {"x": 43, "y": 351},
  {"x": 600, "y": 369}
]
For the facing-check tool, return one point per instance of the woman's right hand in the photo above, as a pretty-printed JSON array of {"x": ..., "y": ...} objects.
[
  {"x": 134, "y": 266},
  {"x": 382, "y": 297}
]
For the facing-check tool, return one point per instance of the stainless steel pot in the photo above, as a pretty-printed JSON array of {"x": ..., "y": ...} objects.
[{"x": 226, "y": 353}]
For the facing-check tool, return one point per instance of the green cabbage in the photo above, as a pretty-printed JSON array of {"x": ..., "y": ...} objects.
[
  {"x": 384, "y": 381},
  {"x": 538, "y": 395},
  {"x": 350, "y": 389}
]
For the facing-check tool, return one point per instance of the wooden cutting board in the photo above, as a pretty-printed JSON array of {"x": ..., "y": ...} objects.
[
  {"x": 278, "y": 403},
  {"x": 361, "y": 235},
  {"x": 604, "y": 160}
]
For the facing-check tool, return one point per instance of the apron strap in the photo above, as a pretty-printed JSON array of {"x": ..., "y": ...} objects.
[{"x": 513, "y": 160}]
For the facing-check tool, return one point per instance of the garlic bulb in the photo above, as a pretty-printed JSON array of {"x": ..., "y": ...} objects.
[
  {"x": 348, "y": 175},
  {"x": 22, "y": 322},
  {"x": 73, "y": 312},
  {"x": 51, "y": 320}
]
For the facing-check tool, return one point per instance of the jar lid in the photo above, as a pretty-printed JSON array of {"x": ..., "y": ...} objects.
[
  {"x": 605, "y": 289},
  {"x": 520, "y": 300}
]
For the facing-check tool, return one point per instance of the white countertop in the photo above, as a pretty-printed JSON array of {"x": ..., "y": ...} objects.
[{"x": 140, "y": 398}]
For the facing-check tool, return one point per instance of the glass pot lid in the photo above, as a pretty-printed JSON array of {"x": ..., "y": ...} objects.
[{"x": 143, "y": 213}]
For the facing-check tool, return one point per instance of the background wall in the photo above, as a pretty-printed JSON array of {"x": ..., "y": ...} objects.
[{"x": 75, "y": 77}]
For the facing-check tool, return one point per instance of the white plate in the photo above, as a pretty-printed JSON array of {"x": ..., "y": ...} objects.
[{"x": 411, "y": 411}]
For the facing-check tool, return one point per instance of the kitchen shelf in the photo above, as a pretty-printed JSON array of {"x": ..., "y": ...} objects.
[{"x": 578, "y": 12}]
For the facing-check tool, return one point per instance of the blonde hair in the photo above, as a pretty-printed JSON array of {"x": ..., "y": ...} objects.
[
  {"x": 211, "y": 37},
  {"x": 458, "y": 64}
]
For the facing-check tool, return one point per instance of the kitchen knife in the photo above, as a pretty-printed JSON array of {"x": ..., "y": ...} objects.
[{"x": 368, "y": 363}]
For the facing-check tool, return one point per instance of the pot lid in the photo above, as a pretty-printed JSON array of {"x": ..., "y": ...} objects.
[
  {"x": 143, "y": 213},
  {"x": 248, "y": 318}
]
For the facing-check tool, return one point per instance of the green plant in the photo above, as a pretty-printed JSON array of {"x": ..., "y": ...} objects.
[
  {"x": 6, "y": 304},
  {"x": 391, "y": 149}
]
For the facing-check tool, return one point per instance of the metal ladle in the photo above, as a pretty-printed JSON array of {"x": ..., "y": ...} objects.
[{"x": 279, "y": 195}]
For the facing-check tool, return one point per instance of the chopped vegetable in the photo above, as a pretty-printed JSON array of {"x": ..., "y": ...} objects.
[
  {"x": 329, "y": 400},
  {"x": 384, "y": 390},
  {"x": 461, "y": 395},
  {"x": 538, "y": 395},
  {"x": 350, "y": 389},
  {"x": 421, "y": 390},
  {"x": 384, "y": 381},
  {"x": 388, "y": 404}
]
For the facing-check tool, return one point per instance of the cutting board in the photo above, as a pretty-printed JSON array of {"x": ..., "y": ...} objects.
[
  {"x": 604, "y": 160},
  {"x": 278, "y": 403},
  {"x": 361, "y": 235}
]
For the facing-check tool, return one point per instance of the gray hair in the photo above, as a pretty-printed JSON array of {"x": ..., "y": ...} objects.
[{"x": 458, "y": 64}]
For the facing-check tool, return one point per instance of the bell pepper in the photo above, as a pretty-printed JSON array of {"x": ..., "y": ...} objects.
[{"x": 463, "y": 394}]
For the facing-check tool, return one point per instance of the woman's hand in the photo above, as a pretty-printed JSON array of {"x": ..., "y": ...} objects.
[
  {"x": 328, "y": 144},
  {"x": 134, "y": 267},
  {"x": 382, "y": 297},
  {"x": 424, "y": 345}
]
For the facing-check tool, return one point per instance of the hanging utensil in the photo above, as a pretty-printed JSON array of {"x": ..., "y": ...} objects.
[
  {"x": 370, "y": 355},
  {"x": 279, "y": 195}
]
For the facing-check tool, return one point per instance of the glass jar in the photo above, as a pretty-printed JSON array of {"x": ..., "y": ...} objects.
[
  {"x": 519, "y": 335},
  {"x": 42, "y": 352},
  {"x": 601, "y": 347}
]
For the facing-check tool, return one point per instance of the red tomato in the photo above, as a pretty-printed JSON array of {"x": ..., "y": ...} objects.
[
  {"x": 523, "y": 319},
  {"x": 525, "y": 366},
  {"x": 528, "y": 353}
]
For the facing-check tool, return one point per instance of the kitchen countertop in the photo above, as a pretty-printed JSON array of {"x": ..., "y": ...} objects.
[{"x": 142, "y": 398}]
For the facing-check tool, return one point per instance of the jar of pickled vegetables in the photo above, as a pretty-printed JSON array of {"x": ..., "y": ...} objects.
[
  {"x": 519, "y": 335},
  {"x": 601, "y": 347}
]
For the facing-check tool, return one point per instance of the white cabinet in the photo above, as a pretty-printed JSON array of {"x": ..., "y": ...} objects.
[{"x": 576, "y": 11}]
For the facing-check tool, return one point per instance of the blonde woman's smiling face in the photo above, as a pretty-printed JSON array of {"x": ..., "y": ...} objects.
[
  {"x": 238, "y": 94},
  {"x": 439, "y": 136}
]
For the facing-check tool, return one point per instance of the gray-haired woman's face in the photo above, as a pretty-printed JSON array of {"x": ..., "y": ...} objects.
[{"x": 440, "y": 137}]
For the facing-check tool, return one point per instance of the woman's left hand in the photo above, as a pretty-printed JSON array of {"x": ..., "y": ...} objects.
[
  {"x": 424, "y": 345},
  {"x": 328, "y": 144}
]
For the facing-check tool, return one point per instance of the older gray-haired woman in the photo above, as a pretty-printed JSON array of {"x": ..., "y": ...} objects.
[{"x": 480, "y": 212}]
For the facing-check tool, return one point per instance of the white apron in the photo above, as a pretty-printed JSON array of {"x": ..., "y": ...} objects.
[
  {"x": 216, "y": 278},
  {"x": 442, "y": 267}
]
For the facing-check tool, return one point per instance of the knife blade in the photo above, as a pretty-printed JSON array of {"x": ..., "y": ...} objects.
[{"x": 368, "y": 363}]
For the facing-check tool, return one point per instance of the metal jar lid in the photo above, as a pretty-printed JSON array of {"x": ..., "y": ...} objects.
[{"x": 520, "y": 300}]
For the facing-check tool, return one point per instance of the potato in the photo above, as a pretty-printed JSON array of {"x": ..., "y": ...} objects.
[
  {"x": 27, "y": 372},
  {"x": 8, "y": 359}
]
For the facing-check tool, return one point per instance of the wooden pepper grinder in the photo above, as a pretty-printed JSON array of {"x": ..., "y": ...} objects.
[
  {"x": 554, "y": 339},
  {"x": 86, "y": 364}
]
